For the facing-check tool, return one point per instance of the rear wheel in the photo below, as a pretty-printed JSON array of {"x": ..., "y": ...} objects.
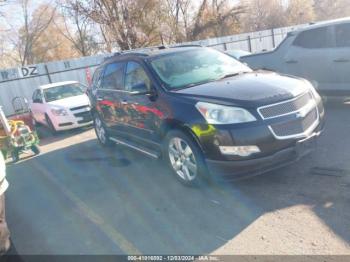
[
  {"x": 101, "y": 132},
  {"x": 35, "y": 149},
  {"x": 184, "y": 157},
  {"x": 15, "y": 155}
]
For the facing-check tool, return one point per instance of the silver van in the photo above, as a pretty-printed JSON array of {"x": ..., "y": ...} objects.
[{"x": 319, "y": 53}]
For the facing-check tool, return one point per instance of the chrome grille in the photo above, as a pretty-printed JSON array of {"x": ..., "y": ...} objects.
[
  {"x": 297, "y": 126},
  {"x": 79, "y": 107},
  {"x": 286, "y": 107},
  {"x": 84, "y": 117}
]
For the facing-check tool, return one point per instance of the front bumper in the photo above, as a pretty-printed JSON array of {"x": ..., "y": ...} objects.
[
  {"x": 71, "y": 125},
  {"x": 245, "y": 168},
  {"x": 72, "y": 120}
]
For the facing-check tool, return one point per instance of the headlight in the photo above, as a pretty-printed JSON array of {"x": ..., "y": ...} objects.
[
  {"x": 219, "y": 114},
  {"x": 59, "y": 111},
  {"x": 313, "y": 90}
]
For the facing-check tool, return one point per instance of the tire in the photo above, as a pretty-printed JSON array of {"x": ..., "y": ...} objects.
[
  {"x": 185, "y": 158},
  {"x": 35, "y": 123},
  {"x": 101, "y": 132},
  {"x": 15, "y": 156},
  {"x": 50, "y": 125},
  {"x": 35, "y": 149}
]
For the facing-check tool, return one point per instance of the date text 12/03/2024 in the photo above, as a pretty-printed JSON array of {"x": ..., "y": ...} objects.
[{"x": 172, "y": 258}]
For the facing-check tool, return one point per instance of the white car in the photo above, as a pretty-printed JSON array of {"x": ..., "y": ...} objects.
[
  {"x": 61, "y": 106},
  {"x": 319, "y": 52}
]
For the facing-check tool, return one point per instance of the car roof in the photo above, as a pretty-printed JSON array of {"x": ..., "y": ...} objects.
[
  {"x": 58, "y": 84},
  {"x": 325, "y": 23}
]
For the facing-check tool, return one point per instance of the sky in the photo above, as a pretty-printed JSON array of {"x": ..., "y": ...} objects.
[{"x": 11, "y": 11}]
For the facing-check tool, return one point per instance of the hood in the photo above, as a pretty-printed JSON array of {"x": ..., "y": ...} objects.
[
  {"x": 250, "y": 89},
  {"x": 70, "y": 102}
]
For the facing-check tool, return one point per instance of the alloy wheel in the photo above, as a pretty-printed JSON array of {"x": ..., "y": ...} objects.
[
  {"x": 100, "y": 131},
  {"x": 182, "y": 159}
]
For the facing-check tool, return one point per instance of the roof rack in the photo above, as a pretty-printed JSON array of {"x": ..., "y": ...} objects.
[
  {"x": 140, "y": 51},
  {"x": 186, "y": 45},
  {"x": 144, "y": 50}
]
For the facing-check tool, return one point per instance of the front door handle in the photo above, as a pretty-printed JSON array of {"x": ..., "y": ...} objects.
[
  {"x": 99, "y": 98},
  {"x": 124, "y": 102},
  {"x": 341, "y": 60}
]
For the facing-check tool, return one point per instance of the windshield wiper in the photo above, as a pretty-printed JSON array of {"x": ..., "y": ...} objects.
[
  {"x": 210, "y": 80},
  {"x": 194, "y": 84},
  {"x": 232, "y": 74}
]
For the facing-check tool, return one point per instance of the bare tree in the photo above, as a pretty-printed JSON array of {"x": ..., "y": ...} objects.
[
  {"x": 77, "y": 28},
  {"x": 300, "y": 12},
  {"x": 177, "y": 19},
  {"x": 330, "y": 9},
  {"x": 131, "y": 24},
  {"x": 33, "y": 27},
  {"x": 263, "y": 14},
  {"x": 216, "y": 18}
]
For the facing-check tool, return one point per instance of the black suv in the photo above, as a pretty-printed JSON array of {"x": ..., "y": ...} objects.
[{"x": 204, "y": 112}]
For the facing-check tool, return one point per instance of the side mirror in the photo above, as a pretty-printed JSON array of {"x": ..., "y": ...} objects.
[
  {"x": 139, "y": 93},
  {"x": 140, "y": 89}
]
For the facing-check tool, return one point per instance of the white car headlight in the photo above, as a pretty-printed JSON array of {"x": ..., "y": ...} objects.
[
  {"x": 59, "y": 111},
  {"x": 219, "y": 114}
]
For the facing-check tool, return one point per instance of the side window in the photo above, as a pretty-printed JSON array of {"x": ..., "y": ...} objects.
[
  {"x": 34, "y": 95},
  {"x": 96, "y": 78},
  {"x": 136, "y": 78},
  {"x": 37, "y": 98},
  {"x": 342, "y": 35},
  {"x": 113, "y": 76},
  {"x": 314, "y": 38}
]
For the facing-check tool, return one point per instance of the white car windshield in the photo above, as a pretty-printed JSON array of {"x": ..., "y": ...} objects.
[
  {"x": 196, "y": 66},
  {"x": 61, "y": 92}
]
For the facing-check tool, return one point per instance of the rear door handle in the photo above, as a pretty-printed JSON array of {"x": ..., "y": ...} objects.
[
  {"x": 99, "y": 98},
  {"x": 291, "y": 61},
  {"x": 341, "y": 60},
  {"x": 124, "y": 102}
]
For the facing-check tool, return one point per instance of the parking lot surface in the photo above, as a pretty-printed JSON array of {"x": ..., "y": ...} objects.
[{"x": 78, "y": 198}]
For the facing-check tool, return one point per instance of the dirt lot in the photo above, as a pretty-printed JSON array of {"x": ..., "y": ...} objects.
[{"x": 77, "y": 198}]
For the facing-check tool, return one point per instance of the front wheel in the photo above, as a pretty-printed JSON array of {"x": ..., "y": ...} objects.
[
  {"x": 184, "y": 157},
  {"x": 101, "y": 133},
  {"x": 50, "y": 125}
]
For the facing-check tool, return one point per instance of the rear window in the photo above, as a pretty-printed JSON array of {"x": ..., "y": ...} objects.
[
  {"x": 342, "y": 35},
  {"x": 314, "y": 38}
]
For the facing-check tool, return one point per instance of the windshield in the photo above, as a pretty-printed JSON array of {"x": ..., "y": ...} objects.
[
  {"x": 191, "y": 67},
  {"x": 61, "y": 92}
]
